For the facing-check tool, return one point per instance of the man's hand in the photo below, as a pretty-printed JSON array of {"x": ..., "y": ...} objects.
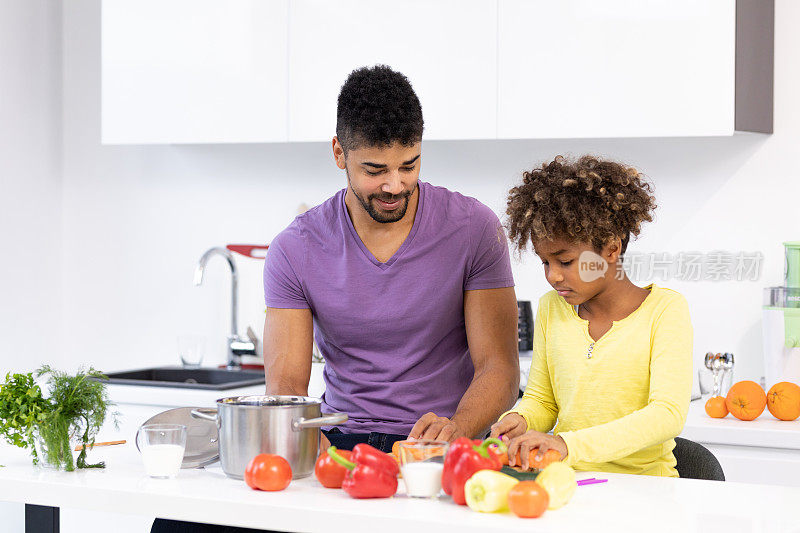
[
  {"x": 510, "y": 426},
  {"x": 530, "y": 440},
  {"x": 432, "y": 427}
]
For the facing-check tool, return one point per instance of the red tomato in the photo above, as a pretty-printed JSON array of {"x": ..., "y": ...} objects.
[
  {"x": 527, "y": 499},
  {"x": 268, "y": 472},
  {"x": 329, "y": 472}
]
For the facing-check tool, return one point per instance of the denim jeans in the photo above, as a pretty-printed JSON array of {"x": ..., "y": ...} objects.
[{"x": 343, "y": 441}]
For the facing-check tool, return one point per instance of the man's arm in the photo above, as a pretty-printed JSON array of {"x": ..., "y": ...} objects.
[
  {"x": 288, "y": 337},
  {"x": 490, "y": 317},
  {"x": 288, "y": 341}
]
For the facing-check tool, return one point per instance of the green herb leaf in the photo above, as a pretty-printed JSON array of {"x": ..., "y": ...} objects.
[
  {"x": 21, "y": 402},
  {"x": 78, "y": 405}
]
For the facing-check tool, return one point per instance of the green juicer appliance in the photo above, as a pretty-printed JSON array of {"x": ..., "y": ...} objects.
[{"x": 781, "y": 324}]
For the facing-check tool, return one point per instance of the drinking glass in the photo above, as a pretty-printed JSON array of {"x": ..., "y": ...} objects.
[
  {"x": 706, "y": 381},
  {"x": 191, "y": 349},
  {"x": 162, "y": 447},
  {"x": 421, "y": 463}
]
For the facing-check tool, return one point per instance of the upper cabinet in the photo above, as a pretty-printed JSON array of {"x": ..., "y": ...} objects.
[
  {"x": 194, "y": 71},
  {"x": 616, "y": 68},
  {"x": 205, "y": 71},
  {"x": 447, "y": 49}
]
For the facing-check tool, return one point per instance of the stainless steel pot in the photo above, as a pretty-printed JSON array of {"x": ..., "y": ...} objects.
[{"x": 284, "y": 425}]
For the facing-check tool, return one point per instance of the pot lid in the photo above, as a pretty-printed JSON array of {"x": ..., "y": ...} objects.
[
  {"x": 270, "y": 401},
  {"x": 202, "y": 436}
]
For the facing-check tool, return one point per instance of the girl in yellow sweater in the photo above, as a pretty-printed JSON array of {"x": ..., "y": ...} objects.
[{"x": 612, "y": 362}]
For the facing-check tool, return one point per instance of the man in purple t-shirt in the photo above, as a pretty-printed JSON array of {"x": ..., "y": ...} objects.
[{"x": 406, "y": 287}]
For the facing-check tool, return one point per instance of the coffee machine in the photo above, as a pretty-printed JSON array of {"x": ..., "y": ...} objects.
[
  {"x": 525, "y": 337},
  {"x": 781, "y": 324}
]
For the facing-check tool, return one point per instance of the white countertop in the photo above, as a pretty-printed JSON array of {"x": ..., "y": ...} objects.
[
  {"x": 765, "y": 431},
  {"x": 625, "y": 503}
]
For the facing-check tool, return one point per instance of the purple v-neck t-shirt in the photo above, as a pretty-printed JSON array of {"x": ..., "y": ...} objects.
[{"x": 392, "y": 333}]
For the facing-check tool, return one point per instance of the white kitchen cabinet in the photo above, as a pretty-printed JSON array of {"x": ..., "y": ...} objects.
[
  {"x": 446, "y": 48},
  {"x": 204, "y": 71},
  {"x": 617, "y": 68},
  {"x": 762, "y": 465},
  {"x": 194, "y": 71}
]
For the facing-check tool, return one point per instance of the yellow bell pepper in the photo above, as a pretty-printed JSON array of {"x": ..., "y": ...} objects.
[
  {"x": 558, "y": 480},
  {"x": 487, "y": 491}
]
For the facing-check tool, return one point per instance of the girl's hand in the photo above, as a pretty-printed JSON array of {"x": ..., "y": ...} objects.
[
  {"x": 510, "y": 426},
  {"x": 530, "y": 440}
]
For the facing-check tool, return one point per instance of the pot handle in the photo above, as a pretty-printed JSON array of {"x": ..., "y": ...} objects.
[
  {"x": 327, "y": 420},
  {"x": 205, "y": 414}
]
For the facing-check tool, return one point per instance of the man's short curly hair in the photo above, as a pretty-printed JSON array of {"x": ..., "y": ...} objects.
[
  {"x": 378, "y": 107},
  {"x": 588, "y": 200}
]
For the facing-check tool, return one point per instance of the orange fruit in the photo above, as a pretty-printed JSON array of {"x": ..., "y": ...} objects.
[
  {"x": 746, "y": 400},
  {"x": 528, "y": 499},
  {"x": 716, "y": 408},
  {"x": 783, "y": 400},
  {"x": 550, "y": 456}
]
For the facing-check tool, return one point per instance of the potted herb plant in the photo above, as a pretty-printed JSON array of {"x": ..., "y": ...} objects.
[{"x": 77, "y": 406}]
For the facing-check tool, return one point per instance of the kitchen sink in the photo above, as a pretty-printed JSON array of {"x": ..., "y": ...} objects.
[{"x": 188, "y": 378}]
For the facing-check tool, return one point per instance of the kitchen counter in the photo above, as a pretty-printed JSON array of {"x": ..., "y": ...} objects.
[
  {"x": 766, "y": 447},
  {"x": 766, "y": 431},
  {"x": 625, "y": 503},
  {"x": 764, "y": 450}
]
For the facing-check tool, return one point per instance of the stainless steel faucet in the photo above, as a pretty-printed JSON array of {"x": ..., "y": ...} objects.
[{"x": 237, "y": 346}]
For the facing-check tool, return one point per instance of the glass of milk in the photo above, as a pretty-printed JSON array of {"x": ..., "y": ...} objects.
[
  {"x": 161, "y": 446},
  {"x": 421, "y": 463}
]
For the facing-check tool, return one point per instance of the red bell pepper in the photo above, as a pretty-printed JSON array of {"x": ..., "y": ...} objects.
[
  {"x": 369, "y": 475},
  {"x": 457, "y": 447},
  {"x": 468, "y": 458},
  {"x": 365, "y": 454}
]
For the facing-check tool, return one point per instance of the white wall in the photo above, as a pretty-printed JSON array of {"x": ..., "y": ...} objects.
[
  {"x": 30, "y": 191},
  {"x": 30, "y": 181},
  {"x": 136, "y": 218}
]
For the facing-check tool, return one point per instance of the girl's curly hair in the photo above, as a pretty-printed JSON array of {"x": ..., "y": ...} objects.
[{"x": 588, "y": 200}]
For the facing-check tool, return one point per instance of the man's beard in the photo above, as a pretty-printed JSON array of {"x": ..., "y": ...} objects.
[{"x": 382, "y": 216}]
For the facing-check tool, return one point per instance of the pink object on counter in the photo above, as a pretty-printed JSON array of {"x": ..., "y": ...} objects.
[{"x": 590, "y": 481}]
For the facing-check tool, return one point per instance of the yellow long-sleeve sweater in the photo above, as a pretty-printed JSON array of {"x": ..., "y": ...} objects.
[{"x": 620, "y": 400}]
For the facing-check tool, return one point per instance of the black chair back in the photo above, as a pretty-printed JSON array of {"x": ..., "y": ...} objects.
[{"x": 695, "y": 461}]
